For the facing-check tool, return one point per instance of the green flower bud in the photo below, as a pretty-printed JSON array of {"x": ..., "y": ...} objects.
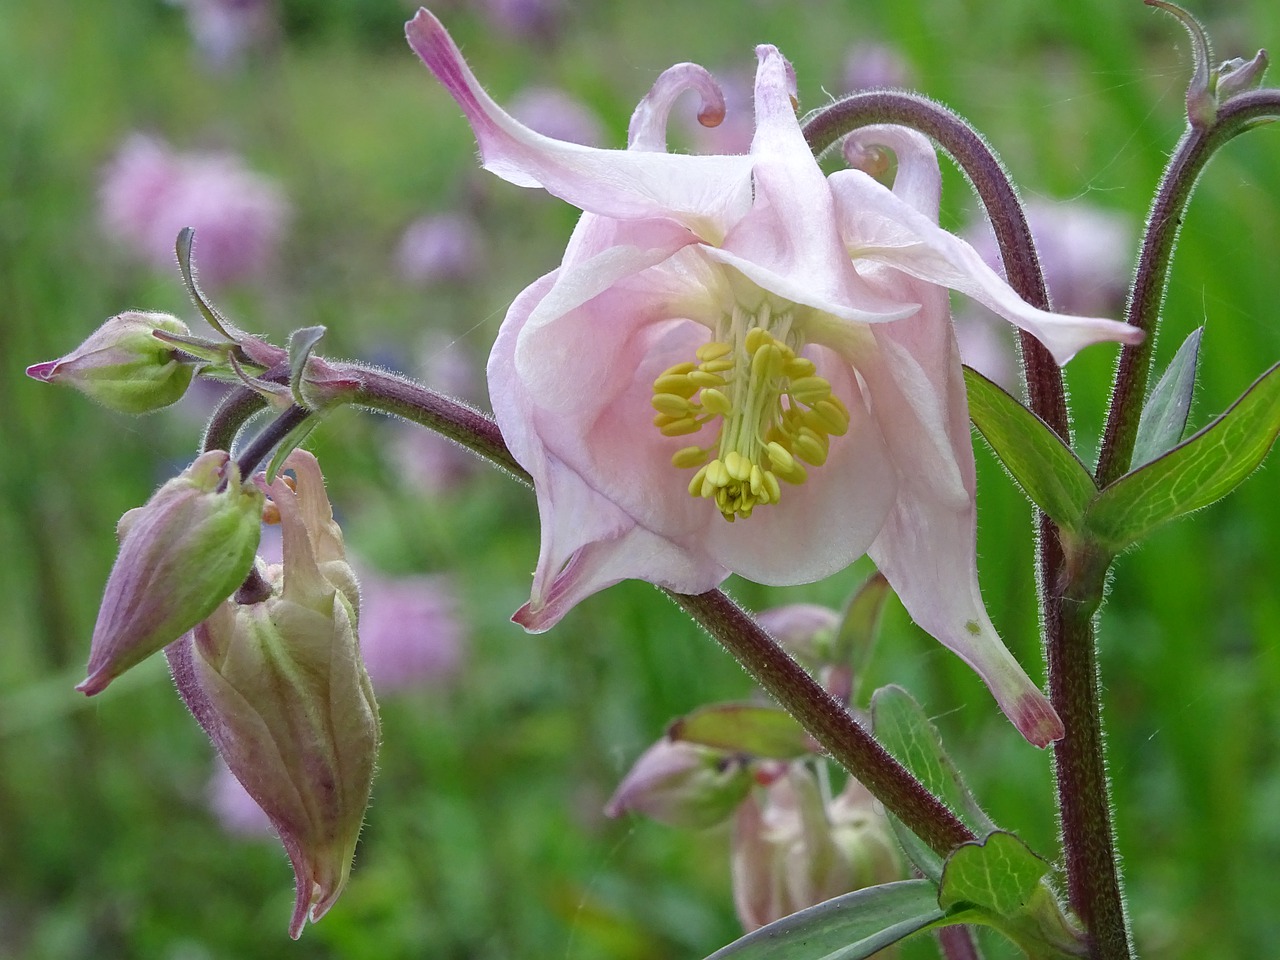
[
  {"x": 123, "y": 365},
  {"x": 181, "y": 555},
  {"x": 281, "y": 689},
  {"x": 683, "y": 785}
]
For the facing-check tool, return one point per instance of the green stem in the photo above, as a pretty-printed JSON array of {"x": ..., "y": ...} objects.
[{"x": 1151, "y": 278}]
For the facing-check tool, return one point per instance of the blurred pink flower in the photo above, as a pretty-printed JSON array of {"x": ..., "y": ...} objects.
[
  {"x": 439, "y": 248},
  {"x": 526, "y": 19},
  {"x": 149, "y": 192},
  {"x": 555, "y": 114},
  {"x": 224, "y": 30},
  {"x": 871, "y": 65},
  {"x": 410, "y": 634},
  {"x": 795, "y": 317}
]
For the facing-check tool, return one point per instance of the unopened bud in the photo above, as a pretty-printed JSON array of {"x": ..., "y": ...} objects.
[
  {"x": 682, "y": 785},
  {"x": 1237, "y": 75},
  {"x": 792, "y": 851},
  {"x": 123, "y": 365},
  {"x": 181, "y": 555},
  {"x": 280, "y": 688}
]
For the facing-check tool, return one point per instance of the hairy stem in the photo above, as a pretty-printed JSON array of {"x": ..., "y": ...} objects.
[
  {"x": 262, "y": 445},
  {"x": 830, "y": 723},
  {"x": 1151, "y": 278},
  {"x": 232, "y": 413},
  {"x": 401, "y": 397}
]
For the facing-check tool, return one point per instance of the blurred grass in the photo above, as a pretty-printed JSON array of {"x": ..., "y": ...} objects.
[{"x": 485, "y": 838}]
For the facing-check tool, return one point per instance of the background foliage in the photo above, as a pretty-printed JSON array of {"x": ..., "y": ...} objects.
[{"x": 485, "y": 838}]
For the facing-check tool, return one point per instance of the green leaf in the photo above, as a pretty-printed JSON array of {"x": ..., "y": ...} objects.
[
  {"x": 998, "y": 875},
  {"x": 1164, "y": 418},
  {"x": 745, "y": 728},
  {"x": 1202, "y": 469},
  {"x": 1040, "y": 463},
  {"x": 850, "y": 927},
  {"x": 998, "y": 881},
  {"x": 186, "y": 265},
  {"x": 905, "y": 730}
]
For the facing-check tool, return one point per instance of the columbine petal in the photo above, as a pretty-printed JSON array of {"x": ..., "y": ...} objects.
[
  {"x": 616, "y": 183},
  {"x": 880, "y": 227}
]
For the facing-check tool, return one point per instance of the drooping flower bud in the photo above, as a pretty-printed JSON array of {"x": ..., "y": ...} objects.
[
  {"x": 682, "y": 784},
  {"x": 181, "y": 554},
  {"x": 123, "y": 365},
  {"x": 793, "y": 851},
  {"x": 280, "y": 688}
]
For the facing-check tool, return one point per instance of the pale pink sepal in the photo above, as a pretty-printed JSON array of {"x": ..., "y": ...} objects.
[{"x": 616, "y": 183}]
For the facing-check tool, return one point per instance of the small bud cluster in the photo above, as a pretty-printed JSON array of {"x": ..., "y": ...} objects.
[
  {"x": 265, "y": 655},
  {"x": 793, "y": 845}
]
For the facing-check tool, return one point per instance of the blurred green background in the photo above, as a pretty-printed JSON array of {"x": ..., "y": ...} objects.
[{"x": 486, "y": 837}]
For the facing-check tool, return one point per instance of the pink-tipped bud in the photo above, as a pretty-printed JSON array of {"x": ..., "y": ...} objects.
[
  {"x": 280, "y": 688},
  {"x": 682, "y": 785},
  {"x": 181, "y": 554},
  {"x": 123, "y": 365}
]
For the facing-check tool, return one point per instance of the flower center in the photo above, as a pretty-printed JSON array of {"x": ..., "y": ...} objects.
[{"x": 775, "y": 411}]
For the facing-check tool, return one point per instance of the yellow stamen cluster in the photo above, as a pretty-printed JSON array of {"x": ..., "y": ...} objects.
[{"x": 775, "y": 410}]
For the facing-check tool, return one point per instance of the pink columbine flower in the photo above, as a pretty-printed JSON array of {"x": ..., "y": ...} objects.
[
  {"x": 788, "y": 328},
  {"x": 150, "y": 192}
]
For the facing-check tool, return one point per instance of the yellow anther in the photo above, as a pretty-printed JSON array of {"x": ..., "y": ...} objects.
[
  {"x": 810, "y": 447},
  {"x": 677, "y": 384},
  {"x": 688, "y": 457},
  {"x": 771, "y": 487},
  {"x": 678, "y": 370},
  {"x": 680, "y": 427},
  {"x": 780, "y": 457},
  {"x": 713, "y": 350},
  {"x": 717, "y": 474},
  {"x": 716, "y": 366},
  {"x": 766, "y": 362},
  {"x": 695, "y": 485},
  {"x": 799, "y": 367},
  {"x": 796, "y": 474},
  {"x": 700, "y": 378},
  {"x": 757, "y": 483},
  {"x": 713, "y": 401},
  {"x": 833, "y": 416},
  {"x": 739, "y": 467},
  {"x": 671, "y": 405},
  {"x": 809, "y": 390},
  {"x": 756, "y": 338}
]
